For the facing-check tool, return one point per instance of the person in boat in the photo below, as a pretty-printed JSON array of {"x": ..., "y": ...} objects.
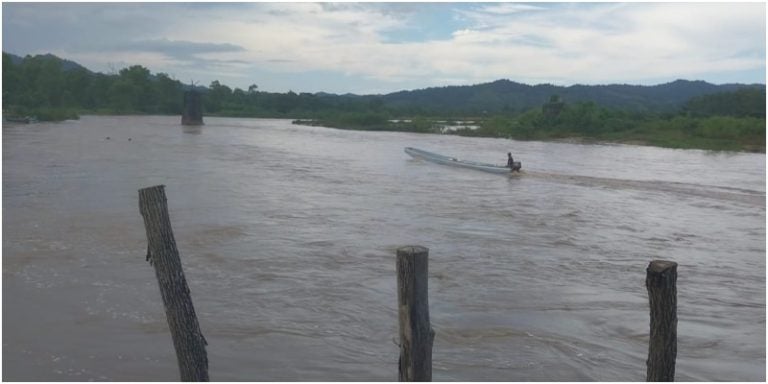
[{"x": 510, "y": 160}]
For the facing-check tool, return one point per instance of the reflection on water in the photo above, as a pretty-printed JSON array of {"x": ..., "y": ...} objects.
[{"x": 288, "y": 235}]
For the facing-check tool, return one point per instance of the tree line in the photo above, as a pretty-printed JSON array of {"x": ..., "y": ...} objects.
[
  {"x": 41, "y": 86},
  {"x": 690, "y": 127}
]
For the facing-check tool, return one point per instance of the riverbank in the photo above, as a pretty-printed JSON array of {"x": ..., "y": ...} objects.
[
  {"x": 33, "y": 115},
  {"x": 712, "y": 133}
]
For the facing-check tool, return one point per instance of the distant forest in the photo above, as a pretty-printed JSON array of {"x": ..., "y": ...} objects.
[{"x": 681, "y": 114}]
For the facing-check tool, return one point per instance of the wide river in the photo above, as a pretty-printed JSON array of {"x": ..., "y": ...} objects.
[{"x": 288, "y": 234}]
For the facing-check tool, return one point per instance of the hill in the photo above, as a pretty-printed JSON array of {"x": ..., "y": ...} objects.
[
  {"x": 508, "y": 96},
  {"x": 498, "y": 97},
  {"x": 66, "y": 65}
]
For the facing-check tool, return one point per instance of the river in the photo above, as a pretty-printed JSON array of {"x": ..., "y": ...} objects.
[{"x": 288, "y": 234}]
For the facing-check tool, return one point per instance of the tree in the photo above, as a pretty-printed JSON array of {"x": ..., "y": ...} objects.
[
  {"x": 168, "y": 94},
  {"x": 137, "y": 82},
  {"x": 97, "y": 93},
  {"x": 122, "y": 96},
  {"x": 742, "y": 103},
  {"x": 77, "y": 82},
  {"x": 12, "y": 81},
  {"x": 217, "y": 96}
]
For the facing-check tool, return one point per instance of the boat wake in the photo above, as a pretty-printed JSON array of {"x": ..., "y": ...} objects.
[{"x": 747, "y": 196}]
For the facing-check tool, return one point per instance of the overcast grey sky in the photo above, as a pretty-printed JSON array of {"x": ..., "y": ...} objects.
[{"x": 384, "y": 47}]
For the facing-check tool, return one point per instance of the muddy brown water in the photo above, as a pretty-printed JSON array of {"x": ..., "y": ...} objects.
[{"x": 288, "y": 235}]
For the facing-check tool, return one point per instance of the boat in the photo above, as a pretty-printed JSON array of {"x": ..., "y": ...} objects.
[{"x": 447, "y": 160}]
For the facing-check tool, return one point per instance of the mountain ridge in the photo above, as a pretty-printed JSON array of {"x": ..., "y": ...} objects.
[
  {"x": 507, "y": 96},
  {"x": 66, "y": 65}
]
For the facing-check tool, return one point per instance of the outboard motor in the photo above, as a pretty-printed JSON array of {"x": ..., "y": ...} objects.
[{"x": 516, "y": 165}]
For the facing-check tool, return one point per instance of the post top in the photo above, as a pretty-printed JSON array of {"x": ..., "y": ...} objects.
[
  {"x": 659, "y": 266},
  {"x": 159, "y": 187},
  {"x": 412, "y": 249}
]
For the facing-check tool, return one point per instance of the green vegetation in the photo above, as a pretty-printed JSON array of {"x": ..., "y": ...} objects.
[
  {"x": 373, "y": 121},
  {"x": 706, "y": 122},
  {"x": 587, "y": 121},
  {"x": 40, "y": 86},
  {"x": 53, "y": 89},
  {"x": 741, "y": 103}
]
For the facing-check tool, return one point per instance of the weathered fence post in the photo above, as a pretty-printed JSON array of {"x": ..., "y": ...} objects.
[
  {"x": 163, "y": 255},
  {"x": 661, "y": 281},
  {"x": 416, "y": 334}
]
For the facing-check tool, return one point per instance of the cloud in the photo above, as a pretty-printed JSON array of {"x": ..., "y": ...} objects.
[
  {"x": 600, "y": 43},
  {"x": 181, "y": 50},
  {"x": 404, "y": 45},
  {"x": 595, "y": 43},
  {"x": 509, "y": 8}
]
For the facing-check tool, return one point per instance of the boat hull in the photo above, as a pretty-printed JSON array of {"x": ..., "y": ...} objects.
[{"x": 454, "y": 162}]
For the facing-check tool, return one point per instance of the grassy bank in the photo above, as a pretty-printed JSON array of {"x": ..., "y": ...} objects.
[
  {"x": 720, "y": 133},
  {"x": 579, "y": 122}
]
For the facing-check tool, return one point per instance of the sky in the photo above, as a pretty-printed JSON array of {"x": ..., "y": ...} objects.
[{"x": 378, "y": 48}]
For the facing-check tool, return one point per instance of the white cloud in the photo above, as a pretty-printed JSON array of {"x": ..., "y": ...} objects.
[
  {"x": 510, "y": 8},
  {"x": 560, "y": 43}
]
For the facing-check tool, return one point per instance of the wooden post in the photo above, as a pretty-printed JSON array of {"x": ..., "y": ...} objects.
[
  {"x": 416, "y": 334},
  {"x": 661, "y": 281},
  {"x": 163, "y": 255},
  {"x": 192, "y": 109}
]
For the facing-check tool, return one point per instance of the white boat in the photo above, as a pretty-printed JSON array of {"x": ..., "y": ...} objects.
[{"x": 447, "y": 160}]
